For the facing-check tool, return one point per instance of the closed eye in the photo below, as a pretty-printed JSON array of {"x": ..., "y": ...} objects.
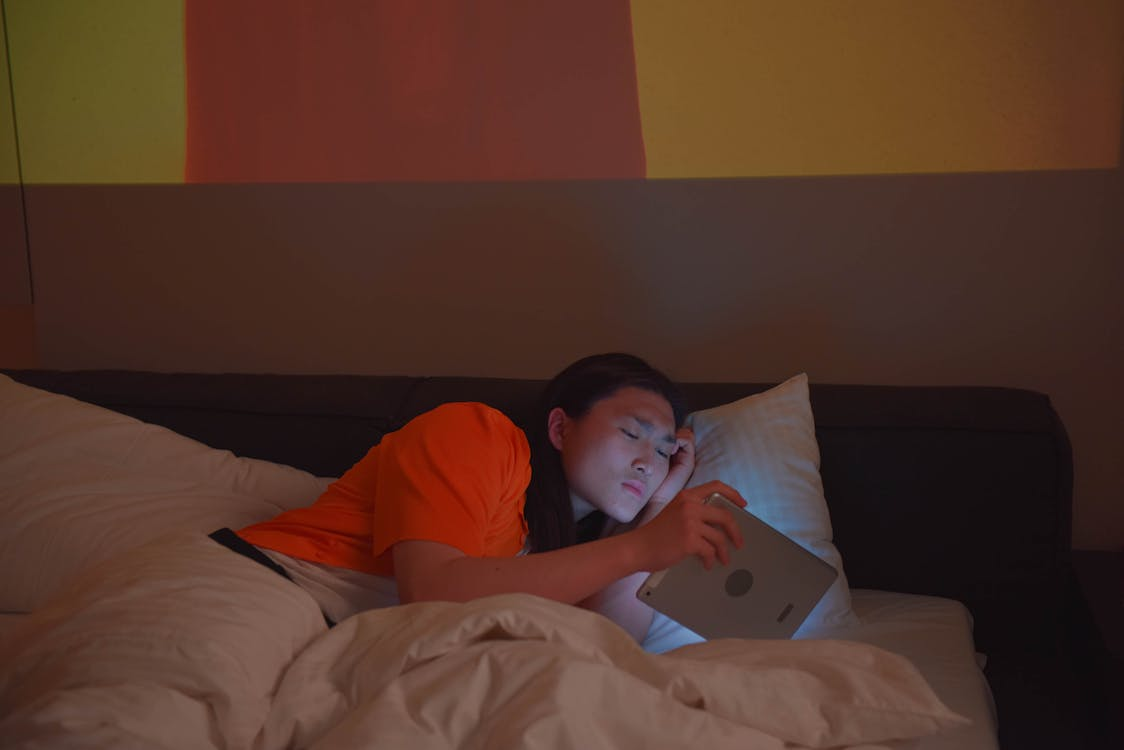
[{"x": 631, "y": 435}]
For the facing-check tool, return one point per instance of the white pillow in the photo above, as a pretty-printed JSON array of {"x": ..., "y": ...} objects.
[
  {"x": 764, "y": 446},
  {"x": 79, "y": 483}
]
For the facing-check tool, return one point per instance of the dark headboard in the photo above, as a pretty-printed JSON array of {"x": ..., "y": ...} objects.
[{"x": 962, "y": 492}]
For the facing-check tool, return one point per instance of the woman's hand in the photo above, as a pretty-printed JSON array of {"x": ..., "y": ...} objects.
[
  {"x": 681, "y": 468},
  {"x": 686, "y": 526}
]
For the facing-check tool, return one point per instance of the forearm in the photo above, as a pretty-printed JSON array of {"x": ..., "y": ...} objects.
[
  {"x": 567, "y": 575},
  {"x": 426, "y": 570}
]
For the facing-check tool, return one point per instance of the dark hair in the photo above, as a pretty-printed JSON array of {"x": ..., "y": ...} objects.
[{"x": 550, "y": 517}]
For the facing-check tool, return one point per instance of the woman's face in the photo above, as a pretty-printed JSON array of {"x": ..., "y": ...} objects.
[{"x": 616, "y": 454}]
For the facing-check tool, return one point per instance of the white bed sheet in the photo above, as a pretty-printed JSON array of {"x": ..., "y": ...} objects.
[{"x": 936, "y": 635}]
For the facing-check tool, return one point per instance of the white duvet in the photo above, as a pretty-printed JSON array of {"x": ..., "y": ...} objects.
[{"x": 183, "y": 644}]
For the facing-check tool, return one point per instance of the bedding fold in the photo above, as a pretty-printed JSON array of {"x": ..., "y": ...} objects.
[
  {"x": 521, "y": 671},
  {"x": 178, "y": 643},
  {"x": 181, "y": 643}
]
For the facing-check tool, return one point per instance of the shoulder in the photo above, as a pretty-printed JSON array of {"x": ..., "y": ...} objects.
[
  {"x": 467, "y": 442},
  {"x": 467, "y": 414},
  {"x": 470, "y": 423}
]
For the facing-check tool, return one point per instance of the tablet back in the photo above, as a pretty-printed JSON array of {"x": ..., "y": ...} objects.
[{"x": 767, "y": 590}]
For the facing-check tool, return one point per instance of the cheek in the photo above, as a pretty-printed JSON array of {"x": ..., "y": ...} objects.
[
  {"x": 590, "y": 472},
  {"x": 579, "y": 464},
  {"x": 571, "y": 466}
]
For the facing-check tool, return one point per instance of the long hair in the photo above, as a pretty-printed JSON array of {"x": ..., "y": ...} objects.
[{"x": 549, "y": 514}]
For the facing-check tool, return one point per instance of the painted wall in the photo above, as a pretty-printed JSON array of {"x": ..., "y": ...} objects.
[
  {"x": 156, "y": 91},
  {"x": 921, "y": 193}
]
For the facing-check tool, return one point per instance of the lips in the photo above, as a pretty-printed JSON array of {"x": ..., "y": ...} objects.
[{"x": 636, "y": 488}]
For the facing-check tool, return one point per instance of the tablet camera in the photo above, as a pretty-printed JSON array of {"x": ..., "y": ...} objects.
[{"x": 739, "y": 582}]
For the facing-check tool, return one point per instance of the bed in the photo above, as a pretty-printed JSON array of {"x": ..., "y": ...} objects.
[{"x": 946, "y": 509}]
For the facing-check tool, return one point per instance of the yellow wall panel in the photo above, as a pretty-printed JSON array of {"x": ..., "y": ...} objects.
[
  {"x": 758, "y": 87},
  {"x": 99, "y": 89},
  {"x": 9, "y": 167}
]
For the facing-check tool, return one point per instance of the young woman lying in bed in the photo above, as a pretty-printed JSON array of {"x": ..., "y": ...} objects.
[{"x": 461, "y": 503}]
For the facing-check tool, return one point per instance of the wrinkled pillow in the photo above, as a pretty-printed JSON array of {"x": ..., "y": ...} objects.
[
  {"x": 764, "y": 446},
  {"x": 79, "y": 483}
]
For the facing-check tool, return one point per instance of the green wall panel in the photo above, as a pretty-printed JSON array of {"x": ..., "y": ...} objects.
[
  {"x": 9, "y": 166},
  {"x": 99, "y": 89}
]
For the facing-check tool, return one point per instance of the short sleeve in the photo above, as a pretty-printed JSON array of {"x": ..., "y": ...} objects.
[{"x": 456, "y": 475}]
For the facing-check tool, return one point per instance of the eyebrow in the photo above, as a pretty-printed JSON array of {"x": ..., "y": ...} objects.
[{"x": 649, "y": 427}]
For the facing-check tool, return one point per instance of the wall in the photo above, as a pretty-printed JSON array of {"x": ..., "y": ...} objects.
[{"x": 846, "y": 247}]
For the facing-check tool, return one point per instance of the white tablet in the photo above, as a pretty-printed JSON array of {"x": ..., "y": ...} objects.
[{"x": 766, "y": 590}]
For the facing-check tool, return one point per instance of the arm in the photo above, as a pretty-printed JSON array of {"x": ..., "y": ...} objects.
[
  {"x": 434, "y": 571},
  {"x": 431, "y": 570}
]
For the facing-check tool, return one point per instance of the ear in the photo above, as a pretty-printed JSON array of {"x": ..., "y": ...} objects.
[{"x": 556, "y": 424}]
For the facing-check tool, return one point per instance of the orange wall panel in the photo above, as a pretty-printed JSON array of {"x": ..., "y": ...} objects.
[{"x": 283, "y": 90}]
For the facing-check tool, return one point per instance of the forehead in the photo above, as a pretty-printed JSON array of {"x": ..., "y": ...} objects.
[{"x": 637, "y": 402}]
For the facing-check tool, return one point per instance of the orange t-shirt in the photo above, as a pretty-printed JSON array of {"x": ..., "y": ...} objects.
[{"x": 457, "y": 475}]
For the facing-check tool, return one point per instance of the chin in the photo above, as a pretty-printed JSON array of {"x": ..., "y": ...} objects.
[{"x": 623, "y": 514}]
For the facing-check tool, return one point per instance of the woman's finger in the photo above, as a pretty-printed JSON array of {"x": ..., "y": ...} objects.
[
  {"x": 725, "y": 542},
  {"x": 716, "y": 543},
  {"x": 733, "y": 529},
  {"x": 706, "y": 555},
  {"x": 723, "y": 519},
  {"x": 722, "y": 489}
]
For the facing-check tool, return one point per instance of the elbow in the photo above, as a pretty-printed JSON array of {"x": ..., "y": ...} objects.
[
  {"x": 431, "y": 586},
  {"x": 432, "y": 572},
  {"x": 411, "y": 591},
  {"x": 412, "y": 596}
]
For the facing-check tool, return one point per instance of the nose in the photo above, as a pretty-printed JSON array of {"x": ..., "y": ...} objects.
[{"x": 641, "y": 466}]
